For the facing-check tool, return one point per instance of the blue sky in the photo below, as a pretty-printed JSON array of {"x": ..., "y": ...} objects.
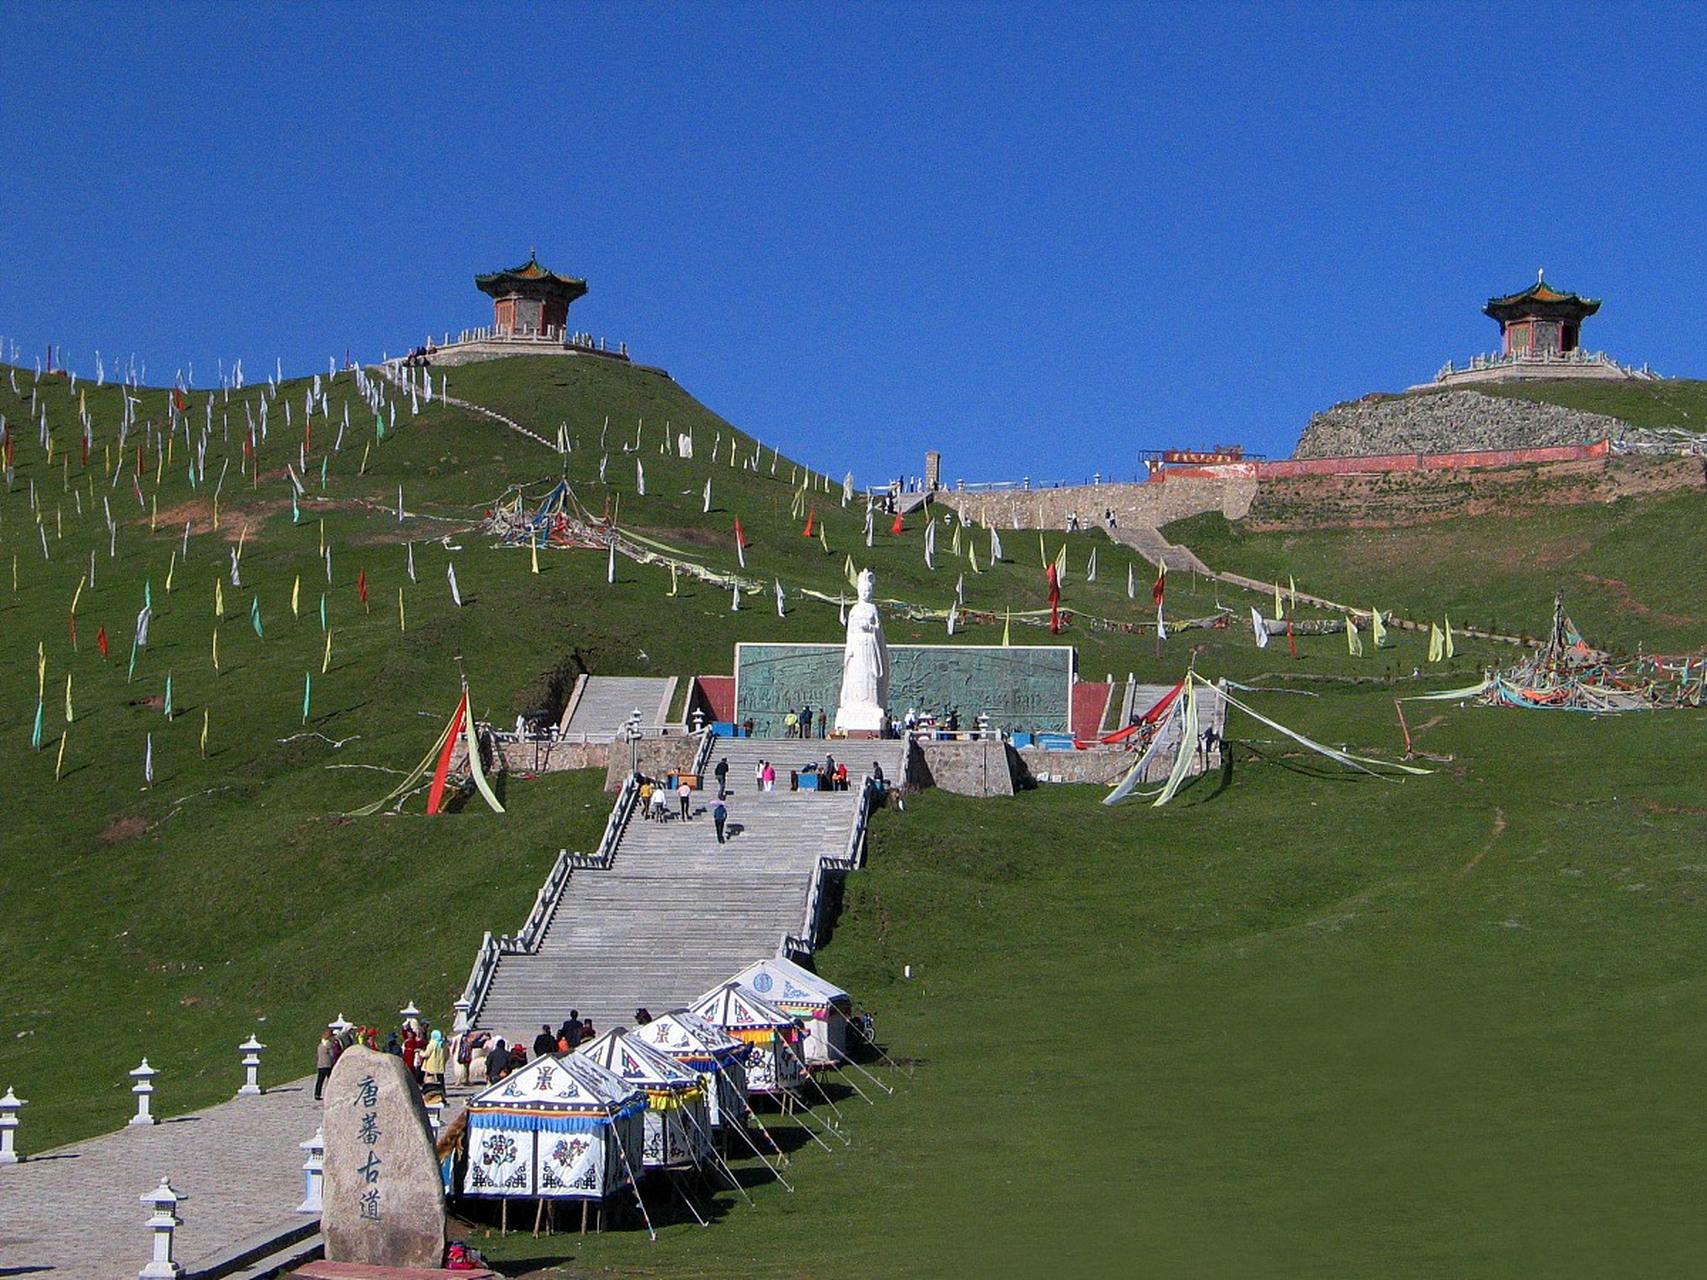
[{"x": 1041, "y": 238}]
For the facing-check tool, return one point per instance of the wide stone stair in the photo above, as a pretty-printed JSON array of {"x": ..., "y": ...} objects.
[
  {"x": 606, "y": 703},
  {"x": 676, "y": 912}
]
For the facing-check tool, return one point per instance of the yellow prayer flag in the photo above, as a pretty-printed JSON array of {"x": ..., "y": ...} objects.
[
  {"x": 1450, "y": 648},
  {"x": 218, "y": 598},
  {"x": 401, "y": 626},
  {"x": 216, "y": 649},
  {"x": 59, "y": 760},
  {"x": 296, "y": 597},
  {"x": 326, "y": 659},
  {"x": 204, "y": 732}
]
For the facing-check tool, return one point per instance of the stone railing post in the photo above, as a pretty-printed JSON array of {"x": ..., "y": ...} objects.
[
  {"x": 143, "y": 1089},
  {"x": 313, "y": 1172},
  {"x": 435, "y": 1114},
  {"x": 8, "y": 1123},
  {"x": 163, "y": 1222},
  {"x": 251, "y": 1050},
  {"x": 409, "y": 1010}
]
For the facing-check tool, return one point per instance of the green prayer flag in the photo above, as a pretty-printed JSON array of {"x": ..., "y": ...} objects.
[{"x": 255, "y": 615}]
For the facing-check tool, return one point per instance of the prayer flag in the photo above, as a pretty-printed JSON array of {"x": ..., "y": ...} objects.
[
  {"x": 1007, "y": 629},
  {"x": 1052, "y": 573},
  {"x": 780, "y": 599},
  {"x": 435, "y": 793},
  {"x": 610, "y": 565},
  {"x": 205, "y": 718},
  {"x": 1131, "y": 582},
  {"x": 930, "y": 543},
  {"x": 101, "y": 639},
  {"x": 1161, "y": 585},
  {"x": 216, "y": 649},
  {"x": 1279, "y": 608},
  {"x": 35, "y": 733},
  {"x": 167, "y": 701},
  {"x": 296, "y": 597},
  {"x": 1161, "y": 625},
  {"x": 59, "y": 760},
  {"x": 1354, "y": 646},
  {"x": 869, "y": 521},
  {"x": 897, "y": 526},
  {"x": 148, "y": 761},
  {"x": 639, "y": 477},
  {"x": 1377, "y": 631},
  {"x": 533, "y": 557},
  {"x": 735, "y": 602},
  {"x": 811, "y": 520},
  {"x": 1450, "y": 649},
  {"x": 69, "y": 717},
  {"x": 255, "y": 615},
  {"x": 361, "y": 586},
  {"x": 326, "y": 658},
  {"x": 308, "y": 690},
  {"x": 995, "y": 545},
  {"x": 455, "y": 592},
  {"x": 401, "y": 624},
  {"x": 1258, "y": 627},
  {"x": 1291, "y": 642},
  {"x": 1091, "y": 568}
]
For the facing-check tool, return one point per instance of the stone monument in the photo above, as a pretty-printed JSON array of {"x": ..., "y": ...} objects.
[
  {"x": 863, "y": 708},
  {"x": 384, "y": 1195}
]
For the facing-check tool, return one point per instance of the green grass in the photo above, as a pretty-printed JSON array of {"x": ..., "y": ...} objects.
[
  {"x": 1632, "y": 570},
  {"x": 1299, "y": 1025},
  {"x": 1671, "y": 402},
  {"x": 1302, "y": 1023}
]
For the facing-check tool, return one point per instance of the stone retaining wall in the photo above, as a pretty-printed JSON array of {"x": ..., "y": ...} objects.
[
  {"x": 1155, "y": 503},
  {"x": 981, "y": 768},
  {"x": 1438, "y": 421}
]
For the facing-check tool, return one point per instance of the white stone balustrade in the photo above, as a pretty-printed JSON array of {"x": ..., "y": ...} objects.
[
  {"x": 8, "y": 1126},
  {"x": 163, "y": 1223},
  {"x": 435, "y": 1114},
  {"x": 251, "y": 1049},
  {"x": 314, "y": 1173},
  {"x": 144, "y": 1091}
]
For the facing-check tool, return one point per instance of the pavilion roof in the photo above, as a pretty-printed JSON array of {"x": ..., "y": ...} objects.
[
  {"x": 1544, "y": 295},
  {"x": 530, "y": 272}
]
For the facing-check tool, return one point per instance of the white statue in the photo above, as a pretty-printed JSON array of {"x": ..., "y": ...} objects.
[{"x": 865, "y": 667}]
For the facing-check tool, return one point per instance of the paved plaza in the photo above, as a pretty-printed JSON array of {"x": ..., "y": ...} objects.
[{"x": 75, "y": 1211}]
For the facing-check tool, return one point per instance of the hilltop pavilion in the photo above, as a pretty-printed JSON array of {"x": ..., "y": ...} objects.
[
  {"x": 529, "y": 299},
  {"x": 1540, "y": 337}
]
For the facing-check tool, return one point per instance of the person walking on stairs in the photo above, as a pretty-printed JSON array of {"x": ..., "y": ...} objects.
[
  {"x": 722, "y": 772},
  {"x": 684, "y": 793},
  {"x": 719, "y": 815}
]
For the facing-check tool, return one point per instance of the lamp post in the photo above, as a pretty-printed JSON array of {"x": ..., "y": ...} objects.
[
  {"x": 162, "y": 1223},
  {"x": 633, "y": 730},
  {"x": 143, "y": 1089},
  {"x": 251, "y": 1050},
  {"x": 8, "y": 1123}
]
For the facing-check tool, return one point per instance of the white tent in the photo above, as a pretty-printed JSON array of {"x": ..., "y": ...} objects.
[
  {"x": 561, "y": 1127},
  {"x": 775, "y": 1065},
  {"x": 678, "y": 1121},
  {"x": 820, "y": 1004},
  {"x": 718, "y": 1057}
]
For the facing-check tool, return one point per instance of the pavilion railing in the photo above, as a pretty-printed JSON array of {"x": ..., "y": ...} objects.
[{"x": 852, "y": 858}]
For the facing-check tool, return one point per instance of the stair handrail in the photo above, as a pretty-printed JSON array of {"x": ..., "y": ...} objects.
[
  {"x": 853, "y": 856},
  {"x": 600, "y": 859},
  {"x": 544, "y": 904},
  {"x": 702, "y": 757}
]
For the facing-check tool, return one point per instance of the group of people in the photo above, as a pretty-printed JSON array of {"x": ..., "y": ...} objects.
[
  {"x": 798, "y": 724},
  {"x": 422, "y": 1047},
  {"x": 481, "y": 1056},
  {"x": 655, "y": 796}
]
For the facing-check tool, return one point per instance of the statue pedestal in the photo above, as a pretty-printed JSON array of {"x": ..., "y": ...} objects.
[{"x": 861, "y": 722}]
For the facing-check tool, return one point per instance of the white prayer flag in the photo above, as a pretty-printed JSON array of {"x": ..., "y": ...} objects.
[{"x": 455, "y": 592}]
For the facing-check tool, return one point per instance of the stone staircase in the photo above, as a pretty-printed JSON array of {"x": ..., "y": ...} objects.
[
  {"x": 676, "y": 913},
  {"x": 607, "y": 702},
  {"x": 1148, "y": 542}
]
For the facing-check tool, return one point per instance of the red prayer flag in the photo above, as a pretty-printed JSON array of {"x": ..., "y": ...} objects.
[
  {"x": 896, "y": 527},
  {"x": 1054, "y": 599},
  {"x": 811, "y": 516},
  {"x": 178, "y": 398},
  {"x": 361, "y": 585},
  {"x": 1157, "y": 591},
  {"x": 1291, "y": 644},
  {"x": 101, "y": 640},
  {"x": 740, "y": 538},
  {"x": 73, "y": 630},
  {"x": 436, "y": 793}
]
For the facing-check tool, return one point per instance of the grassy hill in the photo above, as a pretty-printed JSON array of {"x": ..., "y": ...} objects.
[
  {"x": 1299, "y": 1023},
  {"x": 1669, "y": 402}
]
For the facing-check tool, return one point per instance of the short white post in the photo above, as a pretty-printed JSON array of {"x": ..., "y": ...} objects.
[
  {"x": 341, "y": 1025},
  {"x": 8, "y": 1122},
  {"x": 435, "y": 1114},
  {"x": 143, "y": 1089},
  {"x": 251, "y": 1049},
  {"x": 163, "y": 1223},
  {"x": 314, "y": 1171},
  {"x": 463, "y": 1007},
  {"x": 409, "y": 1010}
]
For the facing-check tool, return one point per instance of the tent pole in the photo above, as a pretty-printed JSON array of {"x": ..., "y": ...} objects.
[
  {"x": 633, "y": 1182},
  {"x": 748, "y": 1139},
  {"x": 806, "y": 1074},
  {"x": 718, "y": 1160},
  {"x": 685, "y": 1199},
  {"x": 874, "y": 1080}
]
